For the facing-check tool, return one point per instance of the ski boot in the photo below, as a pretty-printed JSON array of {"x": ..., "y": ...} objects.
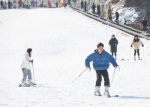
[
  {"x": 139, "y": 57},
  {"x": 97, "y": 91},
  {"x": 106, "y": 92},
  {"x": 30, "y": 82},
  {"x": 135, "y": 58},
  {"x": 23, "y": 84}
]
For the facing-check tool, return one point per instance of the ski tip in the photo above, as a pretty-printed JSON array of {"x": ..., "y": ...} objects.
[
  {"x": 116, "y": 96},
  {"x": 19, "y": 85}
]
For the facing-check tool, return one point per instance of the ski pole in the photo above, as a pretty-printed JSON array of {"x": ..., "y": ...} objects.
[
  {"x": 33, "y": 71},
  {"x": 143, "y": 53},
  {"x": 113, "y": 76},
  {"x": 79, "y": 75}
]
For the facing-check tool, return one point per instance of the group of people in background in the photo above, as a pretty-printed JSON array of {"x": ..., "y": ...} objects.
[
  {"x": 101, "y": 60},
  {"x": 136, "y": 42},
  {"x": 108, "y": 14},
  {"x": 33, "y": 4}
]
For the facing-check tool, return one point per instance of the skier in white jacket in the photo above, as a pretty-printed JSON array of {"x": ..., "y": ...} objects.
[{"x": 26, "y": 69}]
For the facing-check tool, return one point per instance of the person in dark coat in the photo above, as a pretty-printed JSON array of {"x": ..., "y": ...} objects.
[
  {"x": 110, "y": 14},
  {"x": 56, "y": 4},
  {"x": 113, "y": 45},
  {"x": 81, "y": 4},
  {"x": 98, "y": 10},
  {"x": 144, "y": 23},
  {"x": 117, "y": 16},
  {"x": 9, "y": 4},
  {"x": 93, "y": 8},
  {"x": 85, "y": 6},
  {"x": 2, "y": 4}
]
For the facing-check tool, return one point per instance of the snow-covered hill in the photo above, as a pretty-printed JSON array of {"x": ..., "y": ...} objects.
[{"x": 61, "y": 40}]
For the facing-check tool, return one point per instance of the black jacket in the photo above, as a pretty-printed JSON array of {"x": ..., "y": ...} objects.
[
  {"x": 113, "y": 44},
  {"x": 93, "y": 7},
  {"x": 9, "y": 4},
  {"x": 117, "y": 14},
  {"x": 98, "y": 10},
  {"x": 1, "y": 3},
  {"x": 144, "y": 22},
  {"x": 81, "y": 4}
]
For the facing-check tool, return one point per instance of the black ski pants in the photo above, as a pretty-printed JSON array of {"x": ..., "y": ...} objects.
[
  {"x": 144, "y": 28},
  {"x": 137, "y": 52},
  {"x": 114, "y": 53},
  {"x": 99, "y": 74}
]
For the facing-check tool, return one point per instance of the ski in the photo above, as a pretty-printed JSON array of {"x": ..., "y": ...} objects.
[
  {"x": 37, "y": 85},
  {"x": 115, "y": 96}
]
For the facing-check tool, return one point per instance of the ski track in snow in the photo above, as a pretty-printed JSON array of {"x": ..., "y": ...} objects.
[{"x": 61, "y": 40}]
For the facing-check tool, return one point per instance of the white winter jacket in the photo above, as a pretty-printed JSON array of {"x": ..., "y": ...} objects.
[{"x": 25, "y": 62}]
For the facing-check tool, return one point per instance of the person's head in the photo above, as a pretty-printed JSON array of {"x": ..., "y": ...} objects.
[
  {"x": 144, "y": 18},
  {"x": 29, "y": 50},
  {"x": 136, "y": 39},
  {"x": 113, "y": 36},
  {"x": 100, "y": 47}
]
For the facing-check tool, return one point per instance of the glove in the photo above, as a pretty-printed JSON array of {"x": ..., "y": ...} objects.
[
  {"x": 142, "y": 45},
  {"x": 89, "y": 68},
  {"x": 131, "y": 45},
  {"x": 31, "y": 61}
]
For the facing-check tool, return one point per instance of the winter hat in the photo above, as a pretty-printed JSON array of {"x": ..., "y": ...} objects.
[{"x": 136, "y": 36}]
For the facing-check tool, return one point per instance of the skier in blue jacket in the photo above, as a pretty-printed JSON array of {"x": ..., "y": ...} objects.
[{"x": 101, "y": 62}]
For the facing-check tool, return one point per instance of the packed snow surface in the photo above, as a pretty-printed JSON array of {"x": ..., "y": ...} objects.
[{"x": 61, "y": 39}]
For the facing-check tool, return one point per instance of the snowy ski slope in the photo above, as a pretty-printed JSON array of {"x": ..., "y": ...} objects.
[{"x": 61, "y": 40}]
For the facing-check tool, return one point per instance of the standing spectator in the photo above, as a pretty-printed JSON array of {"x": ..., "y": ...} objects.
[
  {"x": 14, "y": 4},
  {"x": 69, "y": 2},
  {"x": 85, "y": 6},
  {"x": 59, "y": 3},
  {"x": 98, "y": 10},
  {"x": 93, "y": 8},
  {"x": 65, "y": 3},
  {"x": 56, "y": 4},
  {"x": 106, "y": 14},
  {"x": 32, "y": 3},
  {"x": 2, "y": 6},
  {"x": 49, "y": 4},
  {"x": 9, "y": 4},
  {"x": 113, "y": 45},
  {"x": 136, "y": 43},
  {"x": 26, "y": 3},
  {"x": 117, "y": 16},
  {"x": 5, "y": 5},
  {"x": 110, "y": 14},
  {"x": 144, "y": 23},
  {"x": 20, "y": 3},
  {"x": 41, "y": 3},
  {"x": 81, "y": 4}
]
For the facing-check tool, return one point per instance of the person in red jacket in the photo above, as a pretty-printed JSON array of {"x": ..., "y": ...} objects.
[
  {"x": 49, "y": 4},
  {"x": 65, "y": 3},
  {"x": 20, "y": 3}
]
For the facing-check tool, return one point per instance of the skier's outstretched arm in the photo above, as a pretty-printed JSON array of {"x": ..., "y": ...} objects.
[
  {"x": 113, "y": 61},
  {"x": 87, "y": 61}
]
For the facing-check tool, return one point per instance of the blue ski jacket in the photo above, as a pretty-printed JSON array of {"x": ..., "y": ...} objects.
[{"x": 100, "y": 61}]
